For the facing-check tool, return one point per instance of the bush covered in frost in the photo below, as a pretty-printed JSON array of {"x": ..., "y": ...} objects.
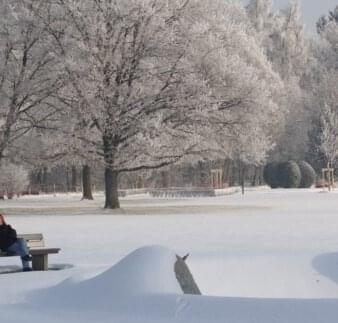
[{"x": 13, "y": 179}]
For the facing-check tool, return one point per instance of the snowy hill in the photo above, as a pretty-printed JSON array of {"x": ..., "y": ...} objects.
[
  {"x": 146, "y": 271},
  {"x": 142, "y": 288}
]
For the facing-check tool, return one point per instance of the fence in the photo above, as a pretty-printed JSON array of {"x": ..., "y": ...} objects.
[{"x": 182, "y": 192}]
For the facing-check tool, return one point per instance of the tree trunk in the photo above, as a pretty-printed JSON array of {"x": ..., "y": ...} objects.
[
  {"x": 226, "y": 171},
  {"x": 39, "y": 177},
  {"x": 44, "y": 179},
  {"x": 255, "y": 179},
  {"x": 232, "y": 173},
  {"x": 241, "y": 177},
  {"x": 261, "y": 177},
  {"x": 74, "y": 179},
  {"x": 86, "y": 183},
  {"x": 68, "y": 184},
  {"x": 111, "y": 186},
  {"x": 165, "y": 179}
]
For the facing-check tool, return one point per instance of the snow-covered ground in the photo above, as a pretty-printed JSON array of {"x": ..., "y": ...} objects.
[{"x": 265, "y": 257}]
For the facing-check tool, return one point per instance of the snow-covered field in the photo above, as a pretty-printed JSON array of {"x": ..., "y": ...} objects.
[{"x": 265, "y": 257}]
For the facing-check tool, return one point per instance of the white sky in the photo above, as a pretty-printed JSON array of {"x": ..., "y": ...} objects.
[{"x": 312, "y": 10}]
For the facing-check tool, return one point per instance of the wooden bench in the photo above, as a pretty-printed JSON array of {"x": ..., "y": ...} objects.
[{"x": 37, "y": 249}]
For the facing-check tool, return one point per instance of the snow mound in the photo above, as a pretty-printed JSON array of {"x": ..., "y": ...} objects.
[{"x": 146, "y": 271}]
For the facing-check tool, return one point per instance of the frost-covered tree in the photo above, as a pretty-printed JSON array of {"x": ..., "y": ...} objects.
[
  {"x": 131, "y": 83},
  {"x": 261, "y": 14},
  {"x": 329, "y": 135},
  {"x": 293, "y": 44},
  {"x": 51, "y": 148},
  {"x": 242, "y": 81},
  {"x": 326, "y": 117},
  {"x": 251, "y": 150},
  {"x": 13, "y": 179},
  {"x": 28, "y": 77},
  {"x": 327, "y": 28},
  {"x": 283, "y": 39},
  {"x": 152, "y": 81},
  {"x": 325, "y": 94},
  {"x": 281, "y": 35},
  {"x": 246, "y": 85},
  {"x": 327, "y": 22}
]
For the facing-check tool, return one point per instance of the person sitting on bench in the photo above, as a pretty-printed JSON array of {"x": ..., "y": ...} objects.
[{"x": 10, "y": 243}]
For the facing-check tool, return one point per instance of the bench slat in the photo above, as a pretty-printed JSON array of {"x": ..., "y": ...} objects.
[
  {"x": 33, "y": 239},
  {"x": 35, "y": 244},
  {"x": 31, "y": 236},
  {"x": 43, "y": 251}
]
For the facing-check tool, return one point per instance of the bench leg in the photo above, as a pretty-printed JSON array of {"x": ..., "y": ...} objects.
[{"x": 40, "y": 262}]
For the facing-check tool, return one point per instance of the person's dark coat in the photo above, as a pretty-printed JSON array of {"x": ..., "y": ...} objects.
[{"x": 7, "y": 236}]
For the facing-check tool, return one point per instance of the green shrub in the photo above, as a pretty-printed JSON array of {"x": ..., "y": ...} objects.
[
  {"x": 308, "y": 175},
  {"x": 270, "y": 175},
  {"x": 289, "y": 175}
]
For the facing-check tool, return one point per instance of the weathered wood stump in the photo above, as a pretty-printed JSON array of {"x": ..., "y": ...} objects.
[{"x": 185, "y": 278}]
